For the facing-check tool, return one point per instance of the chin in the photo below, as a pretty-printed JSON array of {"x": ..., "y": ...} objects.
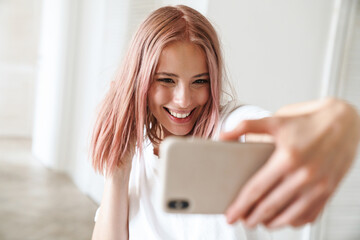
[{"x": 179, "y": 132}]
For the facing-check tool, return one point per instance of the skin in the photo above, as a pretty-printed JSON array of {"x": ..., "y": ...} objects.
[
  {"x": 315, "y": 147},
  {"x": 181, "y": 85},
  {"x": 112, "y": 221},
  {"x": 316, "y": 144}
]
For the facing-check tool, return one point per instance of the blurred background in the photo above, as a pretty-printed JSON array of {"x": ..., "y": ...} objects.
[{"x": 57, "y": 58}]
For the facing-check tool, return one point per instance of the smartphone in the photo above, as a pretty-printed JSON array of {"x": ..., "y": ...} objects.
[{"x": 205, "y": 176}]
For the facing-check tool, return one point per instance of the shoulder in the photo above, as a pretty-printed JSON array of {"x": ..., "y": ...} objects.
[{"x": 235, "y": 113}]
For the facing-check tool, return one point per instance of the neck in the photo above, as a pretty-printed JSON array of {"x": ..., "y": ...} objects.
[
  {"x": 156, "y": 150},
  {"x": 163, "y": 133}
]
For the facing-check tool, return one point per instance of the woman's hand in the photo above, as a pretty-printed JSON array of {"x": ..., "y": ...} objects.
[{"x": 316, "y": 144}]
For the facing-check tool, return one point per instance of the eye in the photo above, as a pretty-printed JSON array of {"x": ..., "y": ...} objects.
[
  {"x": 165, "y": 80},
  {"x": 201, "y": 81}
]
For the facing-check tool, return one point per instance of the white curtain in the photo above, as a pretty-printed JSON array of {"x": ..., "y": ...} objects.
[{"x": 342, "y": 219}]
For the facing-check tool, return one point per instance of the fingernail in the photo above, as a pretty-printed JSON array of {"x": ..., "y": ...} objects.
[
  {"x": 251, "y": 222},
  {"x": 274, "y": 224},
  {"x": 229, "y": 220}
]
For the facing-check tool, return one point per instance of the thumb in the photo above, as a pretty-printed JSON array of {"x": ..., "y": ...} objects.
[{"x": 263, "y": 125}]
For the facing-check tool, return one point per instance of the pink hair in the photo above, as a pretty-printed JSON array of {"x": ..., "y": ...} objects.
[{"x": 123, "y": 115}]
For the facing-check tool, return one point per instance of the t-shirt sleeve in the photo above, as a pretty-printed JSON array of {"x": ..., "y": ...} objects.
[{"x": 241, "y": 113}]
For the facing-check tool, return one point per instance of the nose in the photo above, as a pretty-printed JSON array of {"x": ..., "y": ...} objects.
[{"x": 182, "y": 96}]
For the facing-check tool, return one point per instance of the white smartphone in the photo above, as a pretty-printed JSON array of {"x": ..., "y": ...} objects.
[{"x": 205, "y": 176}]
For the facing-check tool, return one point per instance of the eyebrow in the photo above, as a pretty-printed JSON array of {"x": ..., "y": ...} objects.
[{"x": 174, "y": 75}]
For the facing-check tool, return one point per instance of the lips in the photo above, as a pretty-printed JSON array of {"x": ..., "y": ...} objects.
[{"x": 178, "y": 115}]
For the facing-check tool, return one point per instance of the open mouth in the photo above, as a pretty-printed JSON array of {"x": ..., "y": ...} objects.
[{"x": 179, "y": 115}]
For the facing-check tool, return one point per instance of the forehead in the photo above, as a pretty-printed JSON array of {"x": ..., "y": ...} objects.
[{"x": 182, "y": 58}]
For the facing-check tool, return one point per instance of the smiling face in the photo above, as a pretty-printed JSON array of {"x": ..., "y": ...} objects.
[{"x": 180, "y": 88}]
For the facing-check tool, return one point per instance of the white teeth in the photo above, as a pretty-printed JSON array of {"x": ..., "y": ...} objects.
[{"x": 179, "y": 115}]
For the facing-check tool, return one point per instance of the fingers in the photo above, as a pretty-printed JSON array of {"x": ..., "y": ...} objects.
[
  {"x": 310, "y": 201},
  {"x": 257, "y": 187},
  {"x": 275, "y": 188},
  {"x": 280, "y": 197},
  {"x": 264, "y": 125},
  {"x": 311, "y": 215},
  {"x": 297, "y": 109}
]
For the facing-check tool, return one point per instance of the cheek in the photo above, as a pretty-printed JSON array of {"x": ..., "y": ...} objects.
[
  {"x": 157, "y": 97},
  {"x": 203, "y": 96}
]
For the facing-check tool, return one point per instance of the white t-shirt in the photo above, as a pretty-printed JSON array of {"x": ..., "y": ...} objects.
[{"x": 148, "y": 221}]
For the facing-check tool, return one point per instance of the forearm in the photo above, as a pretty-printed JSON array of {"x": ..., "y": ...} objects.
[{"x": 112, "y": 221}]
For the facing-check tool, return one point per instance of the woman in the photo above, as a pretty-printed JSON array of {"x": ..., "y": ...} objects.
[{"x": 171, "y": 83}]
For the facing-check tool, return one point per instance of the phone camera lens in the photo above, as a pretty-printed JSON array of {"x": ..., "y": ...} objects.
[{"x": 178, "y": 204}]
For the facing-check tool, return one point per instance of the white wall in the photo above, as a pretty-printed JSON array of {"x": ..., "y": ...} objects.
[
  {"x": 81, "y": 46},
  {"x": 52, "y": 95},
  {"x": 18, "y": 63},
  {"x": 85, "y": 87},
  {"x": 274, "y": 50},
  {"x": 275, "y": 53}
]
